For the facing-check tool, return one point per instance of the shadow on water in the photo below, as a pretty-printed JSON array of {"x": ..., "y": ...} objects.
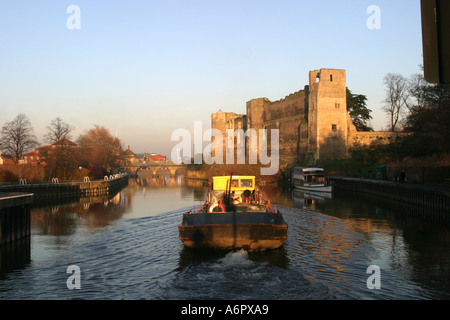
[{"x": 14, "y": 256}]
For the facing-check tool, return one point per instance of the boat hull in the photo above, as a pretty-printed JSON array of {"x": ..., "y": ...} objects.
[
  {"x": 314, "y": 189},
  {"x": 227, "y": 231}
]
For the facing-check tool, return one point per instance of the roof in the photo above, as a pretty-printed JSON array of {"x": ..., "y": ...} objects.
[
  {"x": 64, "y": 142},
  {"x": 129, "y": 152},
  {"x": 39, "y": 150}
]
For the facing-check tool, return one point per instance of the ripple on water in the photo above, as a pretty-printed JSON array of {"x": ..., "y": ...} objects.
[{"x": 324, "y": 257}]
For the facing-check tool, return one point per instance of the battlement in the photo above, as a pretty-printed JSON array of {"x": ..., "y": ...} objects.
[
  {"x": 327, "y": 77},
  {"x": 313, "y": 119}
]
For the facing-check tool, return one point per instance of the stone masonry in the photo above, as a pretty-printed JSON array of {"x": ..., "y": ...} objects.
[{"x": 312, "y": 122}]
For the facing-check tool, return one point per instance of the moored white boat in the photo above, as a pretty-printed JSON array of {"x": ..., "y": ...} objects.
[{"x": 310, "y": 179}]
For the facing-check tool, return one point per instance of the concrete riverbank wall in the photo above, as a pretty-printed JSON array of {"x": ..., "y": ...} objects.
[
  {"x": 69, "y": 189},
  {"x": 16, "y": 200},
  {"x": 14, "y": 216},
  {"x": 426, "y": 201}
]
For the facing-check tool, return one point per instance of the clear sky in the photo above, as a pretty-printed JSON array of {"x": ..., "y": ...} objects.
[{"x": 144, "y": 68}]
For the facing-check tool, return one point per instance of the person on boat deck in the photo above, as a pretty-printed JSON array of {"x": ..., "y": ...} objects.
[
  {"x": 261, "y": 194},
  {"x": 234, "y": 198},
  {"x": 246, "y": 196}
]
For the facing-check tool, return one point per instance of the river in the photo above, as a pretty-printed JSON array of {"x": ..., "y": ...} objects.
[{"x": 127, "y": 247}]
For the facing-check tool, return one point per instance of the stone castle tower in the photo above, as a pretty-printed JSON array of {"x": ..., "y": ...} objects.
[
  {"x": 328, "y": 119},
  {"x": 312, "y": 122}
]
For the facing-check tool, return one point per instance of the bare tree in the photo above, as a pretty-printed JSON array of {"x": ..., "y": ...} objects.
[
  {"x": 58, "y": 130},
  {"x": 61, "y": 160},
  {"x": 18, "y": 137},
  {"x": 397, "y": 98},
  {"x": 418, "y": 89}
]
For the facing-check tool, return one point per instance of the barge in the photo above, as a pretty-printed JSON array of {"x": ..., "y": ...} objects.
[{"x": 236, "y": 215}]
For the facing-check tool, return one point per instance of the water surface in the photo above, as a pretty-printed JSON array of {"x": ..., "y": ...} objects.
[{"x": 127, "y": 247}]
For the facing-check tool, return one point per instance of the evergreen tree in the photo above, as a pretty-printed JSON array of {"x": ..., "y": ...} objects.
[{"x": 358, "y": 110}]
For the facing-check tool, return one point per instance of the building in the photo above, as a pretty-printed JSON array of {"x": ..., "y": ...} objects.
[
  {"x": 129, "y": 156},
  {"x": 155, "y": 158},
  {"x": 5, "y": 159},
  {"x": 64, "y": 143},
  {"x": 38, "y": 155},
  {"x": 312, "y": 122},
  {"x": 148, "y": 157}
]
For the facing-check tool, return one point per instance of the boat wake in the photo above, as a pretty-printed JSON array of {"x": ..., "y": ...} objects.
[{"x": 235, "y": 258}]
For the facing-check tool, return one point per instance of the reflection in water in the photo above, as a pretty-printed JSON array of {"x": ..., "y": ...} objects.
[
  {"x": 310, "y": 200},
  {"x": 101, "y": 211},
  {"x": 127, "y": 247},
  {"x": 91, "y": 212},
  {"x": 413, "y": 254}
]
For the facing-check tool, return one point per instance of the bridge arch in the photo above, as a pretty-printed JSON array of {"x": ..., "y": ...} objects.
[
  {"x": 151, "y": 170},
  {"x": 180, "y": 171},
  {"x": 144, "y": 171},
  {"x": 163, "y": 171}
]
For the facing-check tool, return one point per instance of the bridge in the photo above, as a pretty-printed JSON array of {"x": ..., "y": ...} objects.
[{"x": 151, "y": 169}]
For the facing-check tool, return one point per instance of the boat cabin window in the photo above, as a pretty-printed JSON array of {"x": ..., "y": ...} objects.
[
  {"x": 237, "y": 183},
  {"x": 246, "y": 183}
]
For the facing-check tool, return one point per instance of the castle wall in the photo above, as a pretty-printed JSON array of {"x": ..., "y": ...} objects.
[
  {"x": 286, "y": 115},
  {"x": 314, "y": 120},
  {"x": 256, "y": 113},
  {"x": 222, "y": 120},
  {"x": 365, "y": 138},
  {"x": 227, "y": 120}
]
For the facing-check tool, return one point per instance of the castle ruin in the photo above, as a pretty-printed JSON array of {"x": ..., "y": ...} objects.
[{"x": 312, "y": 122}]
